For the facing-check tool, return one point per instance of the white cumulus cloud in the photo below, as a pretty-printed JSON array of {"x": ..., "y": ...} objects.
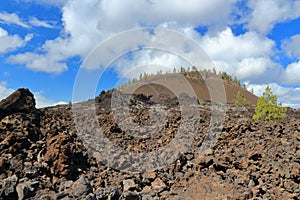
[
  {"x": 267, "y": 13},
  {"x": 87, "y": 23},
  {"x": 38, "y": 62},
  {"x": 292, "y": 74},
  {"x": 291, "y": 46},
  {"x": 289, "y": 96},
  {"x": 247, "y": 56},
  {"x": 12, "y": 42}
]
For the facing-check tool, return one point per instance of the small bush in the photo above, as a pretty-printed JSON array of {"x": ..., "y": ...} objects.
[
  {"x": 201, "y": 102},
  {"x": 268, "y": 109}
]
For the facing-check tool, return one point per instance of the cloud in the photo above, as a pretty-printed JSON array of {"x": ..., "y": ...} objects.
[
  {"x": 291, "y": 46},
  {"x": 42, "y": 101},
  {"x": 12, "y": 18},
  {"x": 292, "y": 74},
  {"x": 4, "y": 91},
  {"x": 150, "y": 61},
  {"x": 247, "y": 56},
  {"x": 291, "y": 49},
  {"x": 266, "y": 13},
  {"x": 259, "y": 70},
  {"x": 38, "y": 62},
  {"x": 289, "y": 96},
  {"x": 87, "y": 23},
  {"x": 12, "y": 42},
  {"x": 38, "y": 23}
]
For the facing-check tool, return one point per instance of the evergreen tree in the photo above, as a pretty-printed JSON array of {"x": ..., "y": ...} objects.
[
  {"x": 174, "y": 70},
  {"x": 194, "y": 69},
  {"x": 244, "y": 86},
  {"x": 268, "y": 109},
  {"x": 182, "y": 70},
  {"x": 240, "y": 99},
  {"x": 214, "y": 71}
]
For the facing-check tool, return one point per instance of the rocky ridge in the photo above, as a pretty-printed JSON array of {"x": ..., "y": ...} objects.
[{"x": 42, "y": 156}]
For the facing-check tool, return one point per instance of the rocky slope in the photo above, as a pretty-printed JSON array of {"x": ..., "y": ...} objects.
[{"x": 44, "y": 156}]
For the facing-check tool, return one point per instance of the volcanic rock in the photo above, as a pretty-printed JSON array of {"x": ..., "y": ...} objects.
[
  {"x": 27, "y": 189},
  {"x": 8, "y": 186},
  {"x": 43, "y": 155},
  {"x": 81, "y": 187},
  {"x": 64, "y": 156},
  {"x": 129, "y": 184},
  {"x": 21, "y": 101},
  {"x": 158, "y": 185}
]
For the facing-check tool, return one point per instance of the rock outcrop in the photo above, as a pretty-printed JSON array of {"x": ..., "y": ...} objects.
[{"x": 21, "y": 101}]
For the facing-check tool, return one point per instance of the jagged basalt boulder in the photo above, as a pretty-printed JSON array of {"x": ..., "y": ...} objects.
[
  {"x": 21, "y": 101},
  {"x": 64, "y": 156}
]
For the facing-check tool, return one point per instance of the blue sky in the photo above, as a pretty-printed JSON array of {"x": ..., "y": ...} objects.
[{"x": 43, "y": 43}]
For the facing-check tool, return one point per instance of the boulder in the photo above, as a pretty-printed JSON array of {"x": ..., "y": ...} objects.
[
  {"x": 8, "y": 186},
  {"x": 81, "y": 187},
  {"x": 21, "y": 101},
  {"x": 27, "y": 189}
]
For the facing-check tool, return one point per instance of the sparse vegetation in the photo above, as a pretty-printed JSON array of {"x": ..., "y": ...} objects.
[
  {"x": 244, "y": 86},
  {"x": 201, "y": 102},
  {"x": 189, "y": 72},
  {"x": 226, "y": 76},
  {"x": 70, "y": 104},
  {"x": 229, "y": 78},
  {"x": 268, "y": 109},
  {"x": 240, "y": 99}
]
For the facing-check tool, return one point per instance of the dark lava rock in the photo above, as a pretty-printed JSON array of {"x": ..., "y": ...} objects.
[
  {"x": 112, "y": 193},
  {"x": 27, "y": 189},
  {"x": 131, "y": 196},
  {"x": 81, "y": 187},
  {"x": 64, "y": 156},
  {"x": 8, "y": 187},
  {"x": 21, "y": 101}
]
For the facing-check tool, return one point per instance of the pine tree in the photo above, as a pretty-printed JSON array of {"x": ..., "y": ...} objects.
[
  {"x": 182, "y": 70},
  {"x": 244, "y": 86},
  {"x": 268, "y": 109},
  {"x": 194, "y": 69},
  {"x": 214, "y": 71},
  {"x": 174, "y": 70},
  {"x": 240, "y": 99},
  {"x": 145, "y": 75}
]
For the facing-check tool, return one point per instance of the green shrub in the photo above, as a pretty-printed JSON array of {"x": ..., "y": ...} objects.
[
  {"x": 70, "y": 104},
  {"x": 268, "y": 109},
  {"x": 201, "y": 102},
  {"x": 240, "y": 99}
]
